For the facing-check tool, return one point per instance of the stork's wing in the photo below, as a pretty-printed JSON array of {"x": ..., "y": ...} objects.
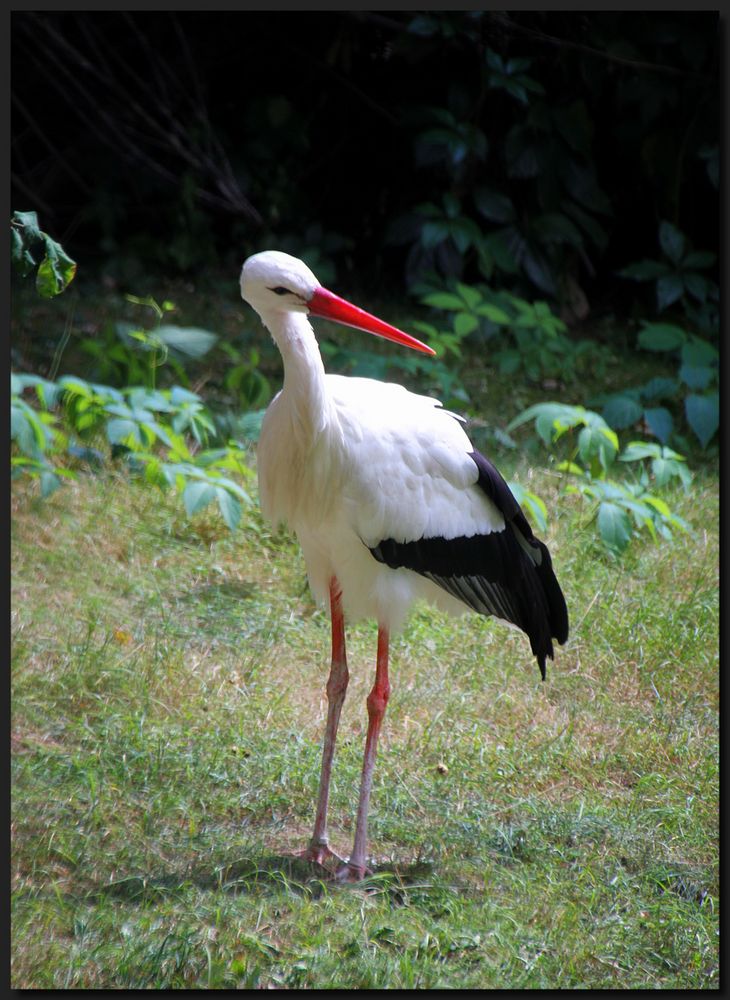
[{"x": 423, "y": 499}]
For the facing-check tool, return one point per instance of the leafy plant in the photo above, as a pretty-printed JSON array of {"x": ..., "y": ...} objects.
[
  {"x": 530, "y": 337},
  {"x": 131, "y": 354},
  {"x": 694, "y": 391},
  {"x": 56, "y": 269},
  {"x": 620, "y": 507},
  {"x": 160, "y": 433},
  {"x": 679, "y": 277}
]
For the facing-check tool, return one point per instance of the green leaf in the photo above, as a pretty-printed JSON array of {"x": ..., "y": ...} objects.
[
  {"x": 190, "y": 341},
  {"x": 532, "y": 503},
  {"x": 699, "y": 259},
  {"x": 443, "y": 300},
  {"x": 198, "y": 495},
  {"x": 635, "y": 451},
  {"x": 661, "y": 337},
  {"x": 698, "y": 353},
  {"x": 669, "y": 289},
  {"x": 465, "y": 323},
  {"x": 56, "y": 270},
  {"x": 230, "y": 508},
  {"x": 671, "y": 241},
  {"x": 28, "y": 221},
  {"x": 620, "y": 412},
  {"x": 22, "y": 259},
  {"x": 660, "y": 422},
  {"x": 471, "y": 296},
  {"x": 571, "y": 467},
  {"x": 122, "y": 431},
  {"x": 659, "y": 388},
  {"x": 494, "y": 205},
  {"x": 697, "y": 285},
  {"x": 614, "y": 526},
  {"x": 697, "y": 377},
  {"x": 494, "y": 314},
  {"x": 703, "y": 416},
  {"x": 594, "y": 442},
  {"x": 434, "y": 233},
  {"x": 644, "y": 270},
  {"x": 664, "y": 469}
]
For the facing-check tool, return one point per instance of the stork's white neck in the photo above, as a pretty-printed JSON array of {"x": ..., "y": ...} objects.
[{"x": 304, "y": 388}]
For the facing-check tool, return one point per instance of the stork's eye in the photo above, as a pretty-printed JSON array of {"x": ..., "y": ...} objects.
[{"x": 280, "y": 290}]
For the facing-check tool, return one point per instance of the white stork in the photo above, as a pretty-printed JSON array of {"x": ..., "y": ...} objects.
[{"x": 390, "y": 502}]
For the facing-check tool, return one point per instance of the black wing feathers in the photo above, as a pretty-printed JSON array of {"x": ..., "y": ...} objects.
[{"x": 504, "y": 573}]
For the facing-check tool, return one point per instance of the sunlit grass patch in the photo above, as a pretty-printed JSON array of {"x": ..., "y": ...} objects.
[{"x": 168, "y": 707}]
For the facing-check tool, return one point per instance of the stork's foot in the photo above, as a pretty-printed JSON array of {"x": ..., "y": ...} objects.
[
  {"x": 321, "y": 854},
  {"x": 349, "y": 873}
]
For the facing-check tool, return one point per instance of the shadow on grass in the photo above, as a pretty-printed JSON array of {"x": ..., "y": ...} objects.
[{"x": 271, "y": 872}]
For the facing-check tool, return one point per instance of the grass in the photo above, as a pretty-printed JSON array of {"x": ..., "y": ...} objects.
[
  {"x": 168, "y": 707},
  {"x": 168, "y": 711}
]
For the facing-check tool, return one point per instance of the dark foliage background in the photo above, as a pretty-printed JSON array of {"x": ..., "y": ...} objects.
[{"x": 540, "y": 151}]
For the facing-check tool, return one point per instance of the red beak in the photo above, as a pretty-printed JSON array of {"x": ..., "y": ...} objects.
[{"x": 330, "y": 306}]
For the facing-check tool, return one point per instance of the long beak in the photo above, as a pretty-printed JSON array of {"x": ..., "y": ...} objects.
[{"x": 330, "y": 306}]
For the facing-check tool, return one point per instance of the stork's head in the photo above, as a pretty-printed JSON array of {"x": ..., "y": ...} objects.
[{"x": 275, "y": 283}]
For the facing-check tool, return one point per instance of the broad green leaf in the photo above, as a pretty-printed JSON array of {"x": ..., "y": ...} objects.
[
  {"x": 230, "y": 508},
  {"x": 699, "y": 259},
  {"x": 697, "y": 285},
  {"x": 669, "y": 289},
  {"x": 699, "y": 353},
  {"x": 593, "y": 442},
  {"x": 443, "y": 300},
  {"x": 657, "y": 503},
  {"x": 465, "y": 323},
  {"x": 660, "y": 422},
  {"x": 471, "y": 296},
  {"x": 460, "y": 234},
  {"x": 56, "y": 270},
  {"x": 29, "y": 223},
  {"x": 620, "y": 412},
  {"x": 494, "y": 314},
  {"x": 576, "y": 470},
  {"x": 614, "y": 526},
  {"x": 434, "y": 233},
  {"x": 494, "y": 205},
  {"x": 697, "y": 377},
  {"x": 664, "y": 469},
  {"x": 123, "y": 431},
  {"x": 671, "y": 241},
  {"x": 190, "y": 341},
  {"x": 703, "y": 416},
  {"x": 198, "y": 495},
  {"x": 661, "y": 337},
  {"x": 659, "y": 388},
  {"x": 533, "y": 503},
  {"x": 635, "y": 451}
]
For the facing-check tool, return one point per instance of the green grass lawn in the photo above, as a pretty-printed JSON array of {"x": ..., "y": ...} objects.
[{"x": 168, "y": 708}]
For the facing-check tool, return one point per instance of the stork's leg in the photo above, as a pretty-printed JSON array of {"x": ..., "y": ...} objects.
[
  {"x": 377, "y": 701},
  {"x": 318, "y": 849}
]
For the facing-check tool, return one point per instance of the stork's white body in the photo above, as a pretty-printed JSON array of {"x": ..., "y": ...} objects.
[
  {"x": 381, "y": 462},
  {"x": 390, "y": 503}
]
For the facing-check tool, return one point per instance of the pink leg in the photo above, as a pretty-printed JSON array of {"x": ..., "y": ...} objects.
[
  {"x": 318, "y": 849},
  {"x": 377, "y": 701}
]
